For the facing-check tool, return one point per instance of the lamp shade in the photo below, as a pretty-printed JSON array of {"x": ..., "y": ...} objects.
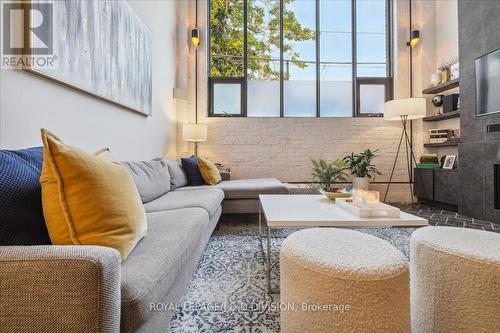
[
  {"x": 413, "y": 107},
  {"x": 194, "y": 132}
]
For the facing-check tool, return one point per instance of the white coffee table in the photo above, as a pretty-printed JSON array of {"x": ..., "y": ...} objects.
[{"x": 283, "y": 211}]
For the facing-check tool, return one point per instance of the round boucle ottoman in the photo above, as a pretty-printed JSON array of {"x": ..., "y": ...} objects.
[
  {"x": 336, "y": 280},
  {"x": 455, "y": 280}
]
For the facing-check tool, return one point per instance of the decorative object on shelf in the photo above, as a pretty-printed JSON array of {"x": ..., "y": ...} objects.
[
  {"x": 450, "y": 103},
  {"x": 361, "y": 167},
  {"x": 429, "y": 161},
  {"x": 436, "y": 78},
  {"x": 428, "y": 165},
  {"x": 326, "y": 174},
  {"x": 445, "y": 72},
  {"x": 119, "y": 71},
  {"x": 437, "y": 100},
  {"x": 454, "y": 71},
  {"x": 449, "y": 161},
  {"x": 194, "y": 133},
  {"x": 440, "y": 135},
  {"x": 429, "y": 158}
]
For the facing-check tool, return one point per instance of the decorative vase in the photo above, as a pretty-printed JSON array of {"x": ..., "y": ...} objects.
[
  {"x": 361, "y": 182},
  {"x": 436, "y": 79},
  {"x": 445, "y": 75}
]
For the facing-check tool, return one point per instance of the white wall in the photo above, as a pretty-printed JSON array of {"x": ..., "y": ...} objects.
[{"x": 28, "y": 103}]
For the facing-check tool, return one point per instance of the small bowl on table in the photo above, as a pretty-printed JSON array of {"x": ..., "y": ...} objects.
[{"x": 334, "y": 195}]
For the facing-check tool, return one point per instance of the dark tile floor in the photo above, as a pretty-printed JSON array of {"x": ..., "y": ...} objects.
[{"x": 443, "y": 217}]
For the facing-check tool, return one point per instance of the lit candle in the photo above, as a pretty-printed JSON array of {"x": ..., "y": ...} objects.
[{"x": 365, "y": 198}]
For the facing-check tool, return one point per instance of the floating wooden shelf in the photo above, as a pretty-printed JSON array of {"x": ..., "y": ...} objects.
[
  {"x": 443, "y": 116},
  {"x": 441, "y": 87},
  {"x": 444, "y": 144}
]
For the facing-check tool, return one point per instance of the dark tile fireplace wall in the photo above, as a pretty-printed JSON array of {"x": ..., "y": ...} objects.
[
  {"x": 479, "y": 152},
  {"x": 496, "y": 180}
]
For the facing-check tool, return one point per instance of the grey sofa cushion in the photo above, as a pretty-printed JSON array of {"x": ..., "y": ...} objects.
[
  {"x": 178, "y": 177},
  {"x": 208, "y": 198},
  {"x": 251, "y": 188},
  {"x": 151, "y": 178},
  {"x": 151, "y": 269},
  {"x": 246, "y": 188}
]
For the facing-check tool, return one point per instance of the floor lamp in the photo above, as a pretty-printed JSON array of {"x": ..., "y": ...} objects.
[{"x": 404, "y": 110}]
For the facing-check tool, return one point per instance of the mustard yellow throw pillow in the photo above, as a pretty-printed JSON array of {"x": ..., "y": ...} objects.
[
  {"x": 89, "y": 200},
  {"x": 209, "y": 171}
]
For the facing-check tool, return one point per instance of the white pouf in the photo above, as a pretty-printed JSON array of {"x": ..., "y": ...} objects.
[
  {"x": 337, "y": 280},
  {"x": 455, "y": 280}
]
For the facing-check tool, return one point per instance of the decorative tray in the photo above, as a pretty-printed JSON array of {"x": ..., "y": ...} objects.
[{"x": 378, "y": 210}]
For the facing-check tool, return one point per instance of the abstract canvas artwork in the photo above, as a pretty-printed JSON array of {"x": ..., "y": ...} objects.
[{"x": 102, "y": 48}]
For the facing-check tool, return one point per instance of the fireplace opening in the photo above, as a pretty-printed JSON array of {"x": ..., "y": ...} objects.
[{"x": 497, "y": 185}]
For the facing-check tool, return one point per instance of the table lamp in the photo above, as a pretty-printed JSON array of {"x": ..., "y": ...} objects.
[{"x": 194, "y": 133}]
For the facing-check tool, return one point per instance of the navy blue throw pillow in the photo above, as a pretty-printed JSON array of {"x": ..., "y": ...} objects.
[
  {"x": 21, "y": 214},
  {"x": 190, "y": 166}
]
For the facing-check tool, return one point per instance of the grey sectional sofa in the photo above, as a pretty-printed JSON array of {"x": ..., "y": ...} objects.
[{"x": 87, "y": 289}]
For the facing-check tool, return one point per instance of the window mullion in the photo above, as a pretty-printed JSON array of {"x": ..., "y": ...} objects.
[
  {"x": 318, "y": 61},
  {"x": 245, "y": 58},
  {"x": 354, "y": 58},
  {"x": 282, "y": 84}
]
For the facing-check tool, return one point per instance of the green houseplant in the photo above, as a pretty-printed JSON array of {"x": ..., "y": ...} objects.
[
  {"x": 361, "y": 168},
  {"x": 326, "y": 174}
]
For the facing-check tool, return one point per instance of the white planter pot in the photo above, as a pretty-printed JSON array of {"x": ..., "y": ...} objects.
[{"x": 361, "y": 182}]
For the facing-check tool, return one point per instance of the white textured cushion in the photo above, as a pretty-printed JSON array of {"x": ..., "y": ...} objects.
[
  {"x": 338, "y": 267},
  {"x": 344, "y": 254},
  {"x": 455, "y": 280},
  {"x": 468, "y": 243}
]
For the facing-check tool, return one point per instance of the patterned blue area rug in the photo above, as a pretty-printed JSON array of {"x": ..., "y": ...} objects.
[{"x": 228, "y": 291}]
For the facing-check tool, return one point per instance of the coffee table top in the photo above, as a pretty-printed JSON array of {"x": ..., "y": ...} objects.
[{"x": 284, "y": 210}]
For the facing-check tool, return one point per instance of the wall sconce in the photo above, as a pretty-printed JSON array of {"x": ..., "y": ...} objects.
[
  {"x": 414, "y": 38},
  {"x": 195, "y": 37}
]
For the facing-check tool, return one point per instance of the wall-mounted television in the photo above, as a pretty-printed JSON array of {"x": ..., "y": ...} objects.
[{"x": 488, "y": 83}]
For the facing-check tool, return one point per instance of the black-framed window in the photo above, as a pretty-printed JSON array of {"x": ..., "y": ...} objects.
[{"x": 299, "y": 58}]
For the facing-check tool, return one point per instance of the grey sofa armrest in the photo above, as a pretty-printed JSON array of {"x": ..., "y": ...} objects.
[{"x": 59, "y": 289}]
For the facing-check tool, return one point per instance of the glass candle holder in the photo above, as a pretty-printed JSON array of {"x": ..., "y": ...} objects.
[{"x": 365, "y": 198}]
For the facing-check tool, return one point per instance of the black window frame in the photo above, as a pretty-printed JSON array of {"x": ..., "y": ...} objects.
[
  {"x": 387, "y": 81},
  {"x": 376, "y": 81},
  {"x": 227, "y": 80}
]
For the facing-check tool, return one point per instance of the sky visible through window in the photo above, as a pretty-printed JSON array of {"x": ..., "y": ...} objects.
[{"x": 299, "y": 62}]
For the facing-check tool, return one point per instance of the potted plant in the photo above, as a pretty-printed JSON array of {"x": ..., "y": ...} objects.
[
  {"x": 361, "y": 167},
  {"x": 327, "y": 174}
]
